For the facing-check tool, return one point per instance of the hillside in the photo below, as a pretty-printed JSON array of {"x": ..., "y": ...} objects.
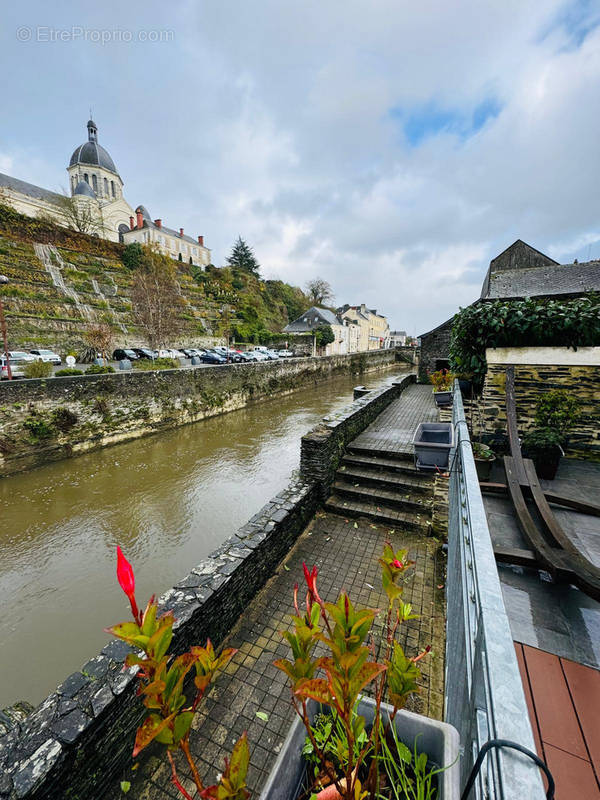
[{"x": 62, "y": 282}]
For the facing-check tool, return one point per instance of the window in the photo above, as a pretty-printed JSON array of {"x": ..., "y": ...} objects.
[
  {"x": 85, "y": 177},
  {"x": 105, "y": 187},
  {"x": 112, "y": 188},
  {"x": 95, "y": 183},
  {"x": 180, "y": 258},
  {"x": 191, "y": 262}
]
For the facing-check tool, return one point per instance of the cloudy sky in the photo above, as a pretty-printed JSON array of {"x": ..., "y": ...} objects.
[{"x": 391, "y": 147}]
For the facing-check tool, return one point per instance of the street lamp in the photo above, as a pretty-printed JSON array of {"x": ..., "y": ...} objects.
[{"x": 3, "y": 282}]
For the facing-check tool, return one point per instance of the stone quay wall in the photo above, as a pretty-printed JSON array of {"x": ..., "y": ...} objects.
[
  {"x": 75, "y": 743},
  {"x": 323, "y": 447},
  {"x": 538, "y": 370},
  {"x": 48, "y": 420}
]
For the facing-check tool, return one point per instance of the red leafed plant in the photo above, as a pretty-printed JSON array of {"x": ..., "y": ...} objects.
[
  {"x": 161, "y": 683},
  {"x": 337, "y": 679}
]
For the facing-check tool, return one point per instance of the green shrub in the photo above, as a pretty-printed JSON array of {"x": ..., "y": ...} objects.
[
  {"x": 39, "y": 428},
  {"x": 64, "y": 419},
  {"x": 96, "y": 369},
  {"x": 541, "y": 441},
  {"x": 145, "y": 364},
  {"x": 37, "y": 369},
  {"x": 558, "y": 410},
  {"x": 132, "y": 255},
  {"x": 62, "y": 373}
]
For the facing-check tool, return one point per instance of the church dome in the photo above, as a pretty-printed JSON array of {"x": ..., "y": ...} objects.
[
  {"x": 85, "y": 189},
  {"x": 92, "y": 153}
]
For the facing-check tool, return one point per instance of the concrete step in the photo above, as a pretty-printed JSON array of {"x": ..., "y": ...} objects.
[
  {"x": 393, "y": 517},
  {"x": 405, "y": 454},
  {"x": 379, "y": 496},
  {"x": 401, "y": 482},
  {"x": 378, "y": 463}
]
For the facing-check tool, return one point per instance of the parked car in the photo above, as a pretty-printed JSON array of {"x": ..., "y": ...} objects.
[
  {"x": 273, "y": 355},
  {"x": 189, "y": 352},
  {"x": 20, "y": 355},
  {"x": 259, "y": 355},
  {"x": 47, "y": 355},
  {"x": 210, "y": 357},
  {"x": 285, "y": 353},
  {"x": 17, "y": 368},
  {"x": 170, "y": 353},
  {"x": 247, "y": 357},
  {"x": 144, "y": 352},
  {"x": 124, "y": 353}
]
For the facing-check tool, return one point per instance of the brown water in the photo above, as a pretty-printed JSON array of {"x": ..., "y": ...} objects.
[{"x": 168, "y": 500}]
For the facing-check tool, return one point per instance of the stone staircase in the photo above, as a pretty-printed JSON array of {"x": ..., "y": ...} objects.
[{"x": 383, "y": 486}]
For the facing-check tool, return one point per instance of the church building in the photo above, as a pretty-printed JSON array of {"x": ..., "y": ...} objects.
[{"x": 97, "y": 196}]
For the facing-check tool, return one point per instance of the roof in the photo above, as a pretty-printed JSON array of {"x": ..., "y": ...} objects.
[
  {"x": 92, "y": 153},
  {"x": 439, "y": 327},
  {"x": 84, "y": 188},
  {"x": 548, "y": 280},
  {"x": 28, "y": 189},
  {"x": 518, "y": 256},
  {"x": 148, "y": 223},
  {"x": 311, "y": 320},
  {"x": 397, "y": 333}
]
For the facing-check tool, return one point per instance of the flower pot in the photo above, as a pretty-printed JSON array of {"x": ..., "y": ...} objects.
[
  {"x": 443, "y": 399},
  {"x": 432, "y": 442},
  {"x": 438, "y": 739},
  {"x": 466, "y": 386},
  {"x": 484, "y": 468},
  {"x": 546, "y": 463}
]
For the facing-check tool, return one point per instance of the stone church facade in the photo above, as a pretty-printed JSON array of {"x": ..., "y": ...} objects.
[{"x": 96, "y": 189}]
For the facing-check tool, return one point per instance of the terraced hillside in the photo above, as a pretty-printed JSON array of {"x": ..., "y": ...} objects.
[{"x": 62, "y": 282}]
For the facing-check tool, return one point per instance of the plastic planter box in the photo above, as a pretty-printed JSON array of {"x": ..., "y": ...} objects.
[
  {"x": 443, "y": 399},
  {"x": 438, "y": 739},
  {"x": 432, "y": 442}
]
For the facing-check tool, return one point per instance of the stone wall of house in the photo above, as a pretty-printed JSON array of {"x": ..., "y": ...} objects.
[
  {"x": 48, "y": 420},
  {"x": 435, "y": 346},
  {"x": 531, "y": 381}
]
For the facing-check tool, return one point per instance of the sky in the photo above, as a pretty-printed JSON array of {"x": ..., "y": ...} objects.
[{"x": 390, "y": 147}]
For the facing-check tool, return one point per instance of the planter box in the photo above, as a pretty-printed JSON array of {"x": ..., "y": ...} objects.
[
  {"x": 484, "y": 468},
  {"x": 438, "y": 739},
  {"x": 432, "y": 442},
  {"x": 443, "y": 399}
]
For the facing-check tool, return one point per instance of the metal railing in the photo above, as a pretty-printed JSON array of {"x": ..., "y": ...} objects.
[{"x": 484, "y": 695}]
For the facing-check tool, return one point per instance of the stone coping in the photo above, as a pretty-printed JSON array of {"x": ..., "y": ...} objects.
[{"x": 551, "y": 356}]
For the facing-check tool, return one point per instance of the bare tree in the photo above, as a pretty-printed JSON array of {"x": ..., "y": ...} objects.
[
  {"x": 100, "y": 337},
  {"x": 83, "y": 215},
  {"x": 156, "y": 298},
  {"x": 320, "y": 291}
]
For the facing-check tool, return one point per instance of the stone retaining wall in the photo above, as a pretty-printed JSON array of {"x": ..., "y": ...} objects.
[
  {"x": 323, "y": 447},
  {"x": 531, "y": 381},
  {"x": 48, "y": 420}
]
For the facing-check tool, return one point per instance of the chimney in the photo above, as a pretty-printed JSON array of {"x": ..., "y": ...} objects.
[
  {"x": 140, "y": 219},
  {"x": 201, "y": 241},
  {"x": 181, "y": 231},
  {"x": 131, "y": 225},
  {"x": 158, "y": 223}
]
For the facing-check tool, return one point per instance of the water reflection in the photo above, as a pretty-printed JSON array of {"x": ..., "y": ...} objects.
[{"x": 167, "y": 500}]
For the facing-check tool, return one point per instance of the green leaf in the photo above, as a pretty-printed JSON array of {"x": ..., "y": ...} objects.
[
  {"x": 183, "y": 723},
  {"x": 262, "y": 715},
  {"x": 149, "y": 730},
  {"x": 125, "y": 786}
]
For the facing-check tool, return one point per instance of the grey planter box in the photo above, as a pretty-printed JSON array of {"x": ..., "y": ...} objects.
[
  {"x": 443, "y": 399},
  {"x": 432, "y": 442},
  {"x": 438, "y": 739}
]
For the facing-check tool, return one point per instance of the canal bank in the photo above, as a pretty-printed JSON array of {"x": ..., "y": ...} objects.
[{"x": 49, "y": 420}]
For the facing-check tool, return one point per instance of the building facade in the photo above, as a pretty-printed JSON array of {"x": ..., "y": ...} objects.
[
  {"x": 346, "y": 335},
  {"x": 397, "y": 338},
  {"x": 96, "y": 196},
  {"x": 374, "y": 328}
]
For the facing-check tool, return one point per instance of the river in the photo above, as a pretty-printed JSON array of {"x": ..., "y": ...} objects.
[{"x": 168, "y": 500}]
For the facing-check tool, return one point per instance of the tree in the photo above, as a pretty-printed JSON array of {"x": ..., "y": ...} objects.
[
  {"x": 324, "y": 335},
  {"x": 100, "y": 338},
  {"x": 132, "y": 255},
  {"x": 242, "y": 257},
  {"x": 83, "y": 215},
  {"x": 156, "y": 298},
  {"x": 320, "y": 291}
]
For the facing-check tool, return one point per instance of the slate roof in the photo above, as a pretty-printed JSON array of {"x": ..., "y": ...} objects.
[
  {"x": 148, "y": 223},
  {"x": 93, "y": 154},
  {"x": 314, "y": 317},
  {"x": 548, "y": 280},
  {"x": 28, "y": 189}
]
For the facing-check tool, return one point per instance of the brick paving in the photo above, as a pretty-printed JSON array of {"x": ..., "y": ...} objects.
[
  {"x": 346, "y": 554},
  {"x": 394, "y": 428}
]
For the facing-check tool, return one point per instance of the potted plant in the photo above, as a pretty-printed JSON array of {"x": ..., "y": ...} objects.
[
  {"x": 484, "y": 458},
  {"x": 558, "y": 410},
  {"x": 442, "y": 387},
  {"x": 432, "y": 443},
  {"x": 358, "y": 747},
  {"x": 465, "y": 382},
  {"x": 544, "y": 447}
]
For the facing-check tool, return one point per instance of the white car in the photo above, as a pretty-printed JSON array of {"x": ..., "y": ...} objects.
[
  {"x": 260, "y": 356},
  {"x": 169, "y": 353},
  {"x": 17, "y": 366},
  {"x": 46, "y": 355},
  {"x": 20, "y": 355},
  {"x": 284, "y": 354}
]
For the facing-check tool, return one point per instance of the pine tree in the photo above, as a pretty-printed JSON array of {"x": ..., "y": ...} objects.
[{"x": 242, "y": 257}]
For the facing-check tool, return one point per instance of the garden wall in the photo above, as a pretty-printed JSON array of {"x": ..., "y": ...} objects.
[
  {"x": 76, "y": 743},
  {"x": 537, "y": 370},
  {"x": 48, "y": 420}
]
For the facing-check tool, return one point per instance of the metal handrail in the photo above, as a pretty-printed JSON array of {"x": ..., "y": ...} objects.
[{"x": 484, "y": 696}]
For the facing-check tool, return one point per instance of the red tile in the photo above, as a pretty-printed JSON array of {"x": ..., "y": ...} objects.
[
  {"x": 553, "y": 706},
  {"x": 573, "y": 776},
  {"x": 529, "y": 699},
  {"x": 584, "y": 683}
]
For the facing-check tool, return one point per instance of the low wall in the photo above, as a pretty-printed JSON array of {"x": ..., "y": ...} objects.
[
  {"x": 48, "y": 420},
  {"x": 323, "y": 447},
  {"x": 537, "y": 370},
  {"x": 76, "y": 743}
]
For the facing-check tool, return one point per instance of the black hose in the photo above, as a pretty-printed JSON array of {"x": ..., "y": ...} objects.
[{"x": 507, "y": 743}]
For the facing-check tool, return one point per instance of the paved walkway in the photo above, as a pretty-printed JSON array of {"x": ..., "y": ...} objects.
[
  {"x": 394, "y": 428},
  {"x": 345, "y": 552}
]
